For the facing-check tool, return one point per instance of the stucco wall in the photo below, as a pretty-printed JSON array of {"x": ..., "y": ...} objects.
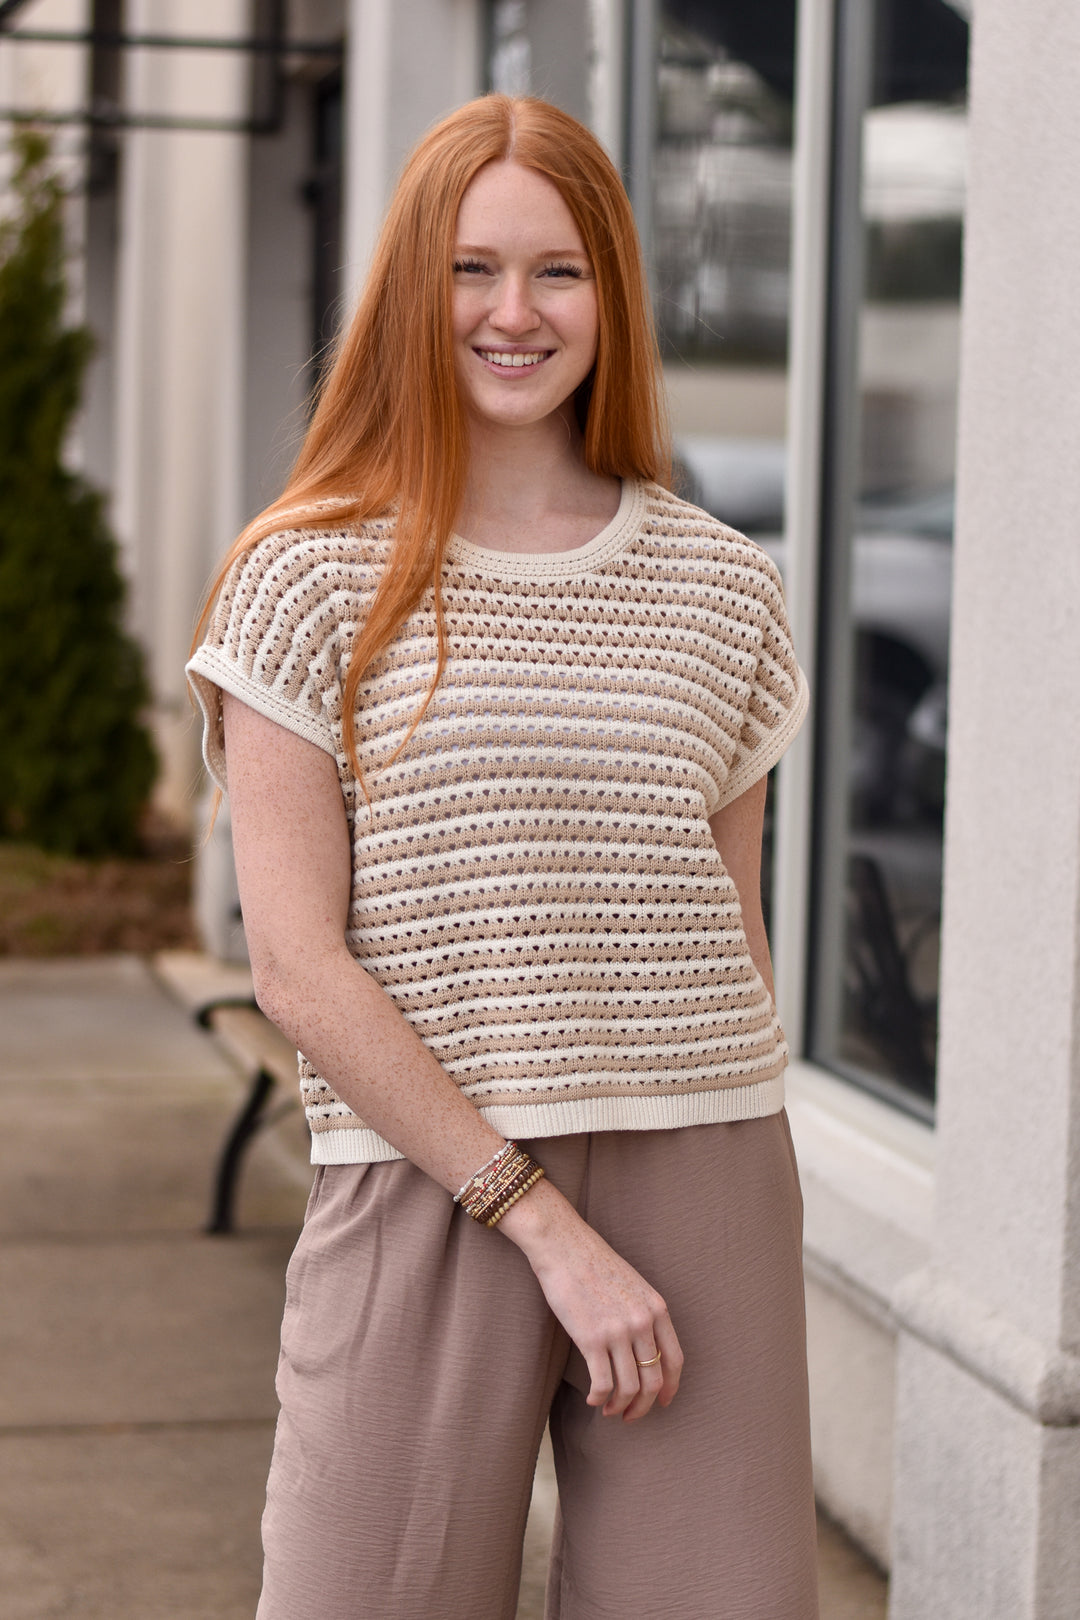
[{"x": 988, "y": 1475}]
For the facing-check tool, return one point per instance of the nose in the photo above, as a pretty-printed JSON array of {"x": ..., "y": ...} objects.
[{"x": 514, "y": 312}]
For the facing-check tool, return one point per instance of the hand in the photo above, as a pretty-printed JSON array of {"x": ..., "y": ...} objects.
[{"x": 616, "y": 1319}]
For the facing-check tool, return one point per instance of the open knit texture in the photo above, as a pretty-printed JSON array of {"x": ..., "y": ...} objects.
[{"x": 535, "y": 885}]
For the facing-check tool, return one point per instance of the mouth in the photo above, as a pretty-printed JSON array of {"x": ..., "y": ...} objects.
[{"x": 514, "y": 360}]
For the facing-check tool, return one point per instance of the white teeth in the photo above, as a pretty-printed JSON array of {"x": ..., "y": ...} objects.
[{"x": 499, "y": 358}]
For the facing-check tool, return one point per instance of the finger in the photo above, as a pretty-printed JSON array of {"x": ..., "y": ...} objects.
[
  {"x": 602, "y": 1383},
  {"x": 627, "y": 1379},
  {"x": 650, "y": 1382},
  {"x": 646, "y": 1356},
  {"x": 671, "y": 1359}
]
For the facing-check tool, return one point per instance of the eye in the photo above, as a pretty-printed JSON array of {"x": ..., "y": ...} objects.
[
  {"x": 469, "y": 267},
  {"x": 574, "y": 271}
]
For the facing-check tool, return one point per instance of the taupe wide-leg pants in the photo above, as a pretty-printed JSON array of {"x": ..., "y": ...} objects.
[{"x": 419, "y": 1364}]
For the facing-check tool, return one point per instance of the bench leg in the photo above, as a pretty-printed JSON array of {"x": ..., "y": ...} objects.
[{"x": 247, "y": 1123}]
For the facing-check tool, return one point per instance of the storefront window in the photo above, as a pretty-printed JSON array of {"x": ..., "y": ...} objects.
[
  {"x": 719, "y": 226},
  {"x": 887, "y": 554},
  {"x": 720, "y": 250},
  {"x": 719, "y": 215}
]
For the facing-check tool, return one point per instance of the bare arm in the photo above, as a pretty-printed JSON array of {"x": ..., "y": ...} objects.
[
  {"x": 293, "y": 863},
  {"x": 736, "y": 830}
]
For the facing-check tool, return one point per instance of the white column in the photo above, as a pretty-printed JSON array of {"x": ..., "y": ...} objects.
[
  {"x": 987, "y": 1516},
  {"x": 179, "y": 325},
  {"x": 607, "y": 75},
  {"x": 408, "y": 63}
]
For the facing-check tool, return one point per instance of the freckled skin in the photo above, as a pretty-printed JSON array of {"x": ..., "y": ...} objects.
[{"x": 522, "y": 283}]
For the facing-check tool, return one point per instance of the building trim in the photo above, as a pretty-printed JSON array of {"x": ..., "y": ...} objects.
[{"x": 1040, "y": 1380}]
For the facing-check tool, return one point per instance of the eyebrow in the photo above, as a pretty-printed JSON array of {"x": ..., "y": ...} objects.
[{"x": 546, "y": 253}]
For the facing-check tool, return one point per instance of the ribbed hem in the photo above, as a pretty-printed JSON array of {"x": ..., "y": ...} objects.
[{"x": 529, "y": 1121}]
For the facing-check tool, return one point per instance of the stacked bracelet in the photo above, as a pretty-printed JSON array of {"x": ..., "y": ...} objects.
[{"x": 497, "y": 1185}]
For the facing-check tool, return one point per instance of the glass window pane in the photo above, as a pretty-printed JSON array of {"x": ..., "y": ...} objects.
[
  {"x": 720, "y": 253},
  {"x": 874, "y": 1011}
]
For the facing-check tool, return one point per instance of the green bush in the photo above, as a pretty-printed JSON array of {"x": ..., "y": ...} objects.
[{"x": 76, "y": 760}]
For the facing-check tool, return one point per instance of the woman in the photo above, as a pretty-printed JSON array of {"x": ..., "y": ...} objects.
[{"x": 498, "y": 711}]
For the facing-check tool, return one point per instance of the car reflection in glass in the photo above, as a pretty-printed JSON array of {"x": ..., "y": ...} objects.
[{"x": 901, "y": 591}]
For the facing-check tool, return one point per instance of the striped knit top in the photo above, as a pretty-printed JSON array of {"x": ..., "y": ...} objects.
[{"x": 535, "y": 884}]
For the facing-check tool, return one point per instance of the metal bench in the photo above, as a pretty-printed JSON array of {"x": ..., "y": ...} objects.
[{"x": 269, "y": 1060}]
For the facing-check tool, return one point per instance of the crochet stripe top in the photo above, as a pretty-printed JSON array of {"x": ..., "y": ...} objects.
[{"x": 535, "y": 884}]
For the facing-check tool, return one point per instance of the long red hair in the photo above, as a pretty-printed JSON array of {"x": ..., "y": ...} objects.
[{"x": 389, "y": 430}]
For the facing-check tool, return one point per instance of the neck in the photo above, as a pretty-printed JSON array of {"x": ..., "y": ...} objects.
[
  {"x": 523, "y": 473},
  {"x": 528, "y": 489}
]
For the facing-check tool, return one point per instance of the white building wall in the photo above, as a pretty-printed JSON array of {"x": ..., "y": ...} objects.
[
  {"x": 988, "y": 1424},
  {"x": 409, "y": 62},
  {"x": 868, "y": 1179},
  {"x": 179, "y": 326}
]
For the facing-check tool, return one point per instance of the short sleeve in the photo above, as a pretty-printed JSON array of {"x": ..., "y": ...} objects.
[
  {"x": 778, "y": 695},
  {"x": 273, "y": 641}
]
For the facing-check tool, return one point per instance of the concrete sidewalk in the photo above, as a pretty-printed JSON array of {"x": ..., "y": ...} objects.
[{"x": 137, "y": 1354}]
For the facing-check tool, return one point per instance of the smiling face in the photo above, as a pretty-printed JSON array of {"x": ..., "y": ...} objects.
[{"x": 525, "y": 313}]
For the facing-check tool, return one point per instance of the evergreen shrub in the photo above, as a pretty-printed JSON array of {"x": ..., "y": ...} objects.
[{"x": 76, "y": 760}]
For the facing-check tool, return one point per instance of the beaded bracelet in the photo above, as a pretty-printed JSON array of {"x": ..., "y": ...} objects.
[
  {"x": 497, "y": 1185},
  {"x": 528, "y": 1177},
  {"x": 477, "y": 1182}
]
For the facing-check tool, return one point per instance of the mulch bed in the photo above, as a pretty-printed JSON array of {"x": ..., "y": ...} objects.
[{"x": 52, "y": 905}]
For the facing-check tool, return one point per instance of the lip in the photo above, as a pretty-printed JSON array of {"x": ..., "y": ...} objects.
[{"x": 513, "y": 372}]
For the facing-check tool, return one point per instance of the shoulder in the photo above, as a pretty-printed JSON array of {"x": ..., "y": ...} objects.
[
  {"x": 296, "y": 572},
  {"x": 696, "y": 545},
  {"x": 309, "y": 557}
]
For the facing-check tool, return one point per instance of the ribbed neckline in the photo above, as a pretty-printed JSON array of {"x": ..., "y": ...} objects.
[{"x": 555, "y": 564}]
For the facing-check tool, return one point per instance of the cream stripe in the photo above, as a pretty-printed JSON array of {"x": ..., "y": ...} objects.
[{"x": 561, "y": 1028}]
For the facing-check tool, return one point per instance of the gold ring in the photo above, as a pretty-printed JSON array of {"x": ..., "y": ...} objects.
[{"x": 651, "y": 1363}]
